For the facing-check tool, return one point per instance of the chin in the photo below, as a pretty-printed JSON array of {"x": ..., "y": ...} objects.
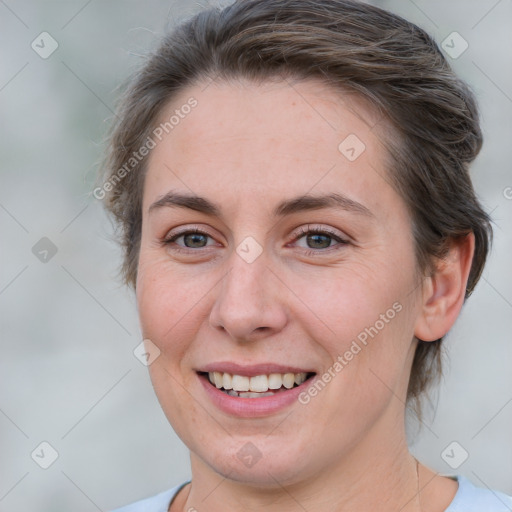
[{"x": 257, "y": 462}]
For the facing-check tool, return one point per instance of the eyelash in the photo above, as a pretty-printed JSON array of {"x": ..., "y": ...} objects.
[
  {"x": 302, "y": 232},
  {"x": 170, "y": 240}
]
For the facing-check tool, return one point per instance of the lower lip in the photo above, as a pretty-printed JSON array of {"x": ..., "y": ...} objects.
[{"x": 252, "y": 407}]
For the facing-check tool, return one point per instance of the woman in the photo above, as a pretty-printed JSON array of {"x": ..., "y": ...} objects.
[{"x": 291, "y": 183}]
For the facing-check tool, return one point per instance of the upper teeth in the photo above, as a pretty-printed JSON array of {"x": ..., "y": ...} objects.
[{"x": 259, "y": 383}]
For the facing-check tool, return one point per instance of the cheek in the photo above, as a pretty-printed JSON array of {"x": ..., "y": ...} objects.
[
  {"x": 164, "y": 303},
  {"x": 349, "y": 299},
  {"x": 366, "y": 327},
  {"x": 165, "y": 292},
  {"x": 168, "y": 313}
]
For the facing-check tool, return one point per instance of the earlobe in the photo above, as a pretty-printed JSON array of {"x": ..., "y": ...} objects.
[{"x": 444, "y": 291}]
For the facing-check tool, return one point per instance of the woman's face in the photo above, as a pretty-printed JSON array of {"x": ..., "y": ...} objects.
[{"x": 275, "y": 283}]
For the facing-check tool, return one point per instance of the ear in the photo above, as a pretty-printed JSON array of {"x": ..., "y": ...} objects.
[{"x": 444, "y": 291}]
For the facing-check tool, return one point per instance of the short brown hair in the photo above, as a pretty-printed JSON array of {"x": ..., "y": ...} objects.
[{"x": 351, "y": 46}]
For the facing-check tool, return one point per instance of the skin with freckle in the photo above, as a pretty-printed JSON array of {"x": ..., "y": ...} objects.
[{"x": 247, "y": 147}]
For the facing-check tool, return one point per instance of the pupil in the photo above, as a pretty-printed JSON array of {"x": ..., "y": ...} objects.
[
  {"x": 195, "y": 238},
  {"x": 318, "y": 241}
]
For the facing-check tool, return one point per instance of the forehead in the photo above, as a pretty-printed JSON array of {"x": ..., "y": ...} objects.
[
  {"x": 268, "y": 137},
  {"x": 279, "y": 109}
]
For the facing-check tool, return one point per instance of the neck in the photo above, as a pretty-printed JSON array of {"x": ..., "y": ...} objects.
[{"x": 378, "y": 474}]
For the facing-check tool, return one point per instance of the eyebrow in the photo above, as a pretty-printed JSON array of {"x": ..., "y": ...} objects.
[{"x": 294, "y": 205}]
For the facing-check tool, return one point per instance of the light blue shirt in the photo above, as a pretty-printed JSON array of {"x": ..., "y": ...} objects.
[{"x": 468, "y": 499}]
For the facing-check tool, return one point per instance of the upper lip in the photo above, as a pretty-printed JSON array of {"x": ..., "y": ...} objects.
[{"x": 251, "y": 370}]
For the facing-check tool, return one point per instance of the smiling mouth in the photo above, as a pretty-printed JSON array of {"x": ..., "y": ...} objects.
[{"x": 258, "y": 386}]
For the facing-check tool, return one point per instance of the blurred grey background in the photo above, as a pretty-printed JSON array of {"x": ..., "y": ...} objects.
[{"x": 68, "y": 375}]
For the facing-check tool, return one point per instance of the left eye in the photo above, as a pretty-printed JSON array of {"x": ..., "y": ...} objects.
[{"x": 319, "y": 238}]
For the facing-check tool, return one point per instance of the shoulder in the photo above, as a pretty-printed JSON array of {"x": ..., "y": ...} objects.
[
  {"x": 470, "y": 498},
  {"x": 158, "y": 503}
]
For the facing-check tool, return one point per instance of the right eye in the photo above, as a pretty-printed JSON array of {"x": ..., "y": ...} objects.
[{"x": 191, "y": 239}]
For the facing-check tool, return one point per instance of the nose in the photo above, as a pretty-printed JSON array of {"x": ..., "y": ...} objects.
[{"x": 249, "y": 304}]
